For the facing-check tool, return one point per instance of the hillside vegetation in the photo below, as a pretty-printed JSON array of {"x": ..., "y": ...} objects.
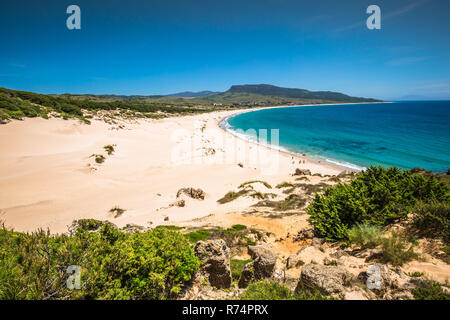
[{"x": 18, "y": 104}]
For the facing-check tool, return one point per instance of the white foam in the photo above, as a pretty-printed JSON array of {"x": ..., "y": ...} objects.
[
  {"x": 251, "y": 138},
  {"x": 248, "y": 137},
  {"x": 346, "y": 164}
]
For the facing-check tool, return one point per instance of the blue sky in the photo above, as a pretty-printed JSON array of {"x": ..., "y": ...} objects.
[{"x": 165, "y": 46}]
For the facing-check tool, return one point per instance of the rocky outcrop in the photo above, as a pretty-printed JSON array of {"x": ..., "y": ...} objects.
[
  {"x": 305, "y": 255},
  {"x": 328, "y": 280},
  {"x": 192, "y": 193},
  {"x": 215, "y": 257},
  {"x": 262, "y": 267}
]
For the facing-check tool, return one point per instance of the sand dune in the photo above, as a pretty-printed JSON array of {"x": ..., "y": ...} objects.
[{"x": 48, "y": 177}]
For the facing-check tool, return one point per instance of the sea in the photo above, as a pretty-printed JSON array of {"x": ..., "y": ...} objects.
[{"x": 405, "y": 134}]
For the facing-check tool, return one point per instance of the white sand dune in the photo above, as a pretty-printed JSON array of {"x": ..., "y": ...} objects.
[{"x": 48, "y": 179}]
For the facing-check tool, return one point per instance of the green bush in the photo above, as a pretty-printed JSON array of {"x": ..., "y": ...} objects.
[
  {"x": 430, "y": 290},
  {"x": 432, "y": 218},
  {"x": 378, "y": 196},
  {"x": 115, "y": 265},
  {"x": 267, "y": 290},
  {"x": 237, "y": 266},
  {"x": 364, "y": 235},
  {"x": 199, "y": 235},
  {"x": 398, "y": 250},
  {"x": 270, "y": 290}
]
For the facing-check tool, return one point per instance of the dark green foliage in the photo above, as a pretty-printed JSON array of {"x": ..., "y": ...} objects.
[
  {"x": 109, "y": 149},
  {"x": 99, "y": 158},
  {"x": 199, "y": 235},
  {"x": 17, "y": 104},
  {"x": 378, "y": 196},
  {"x": 88, "y": 224},
  {"x": 270, "y": 290},
  {"x": 429, "y": 290},
  {"x": 266, "y": 290},
  {"x": 231, "y": 195},
  {"x": 432, "y": 218},
  {"x": 445, "y": 256},
  {"x": 237, "y": 266},
  {"x": 238, "y": 227},
  {"x": 115, "y": 265},
  {"x": 243, "y": 185}
]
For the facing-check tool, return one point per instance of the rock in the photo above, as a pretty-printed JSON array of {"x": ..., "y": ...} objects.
[
  {"x": 294, "y": 261},
  {"x": 265, "y": 260},
  {"x": 304, "y": 234},
  {"x": 326, "y": 279},
  {"x": 215, "y": 256},
  {"x": 317, "y": 242},
  {"x": 279, "y": 275},
  {"x": 191, "y": 192},
  {"x": 247, "y": 275},
  {"x": 310, "y": 254},
  {"x": 448, "y": 172},
  {"x": 417, "y": 170},
  {"x": 166, "y": 218},
  {"x": 260, "y": 250},
  {"x": 300, "y": 172},
  {"x": 240, "y": 165},
  {"x": 261, "y": 268}
]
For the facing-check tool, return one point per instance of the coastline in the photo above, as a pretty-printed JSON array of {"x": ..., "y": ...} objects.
[
  {"x": 311, "y": 158},
  {"x": 49, "y": 177}
]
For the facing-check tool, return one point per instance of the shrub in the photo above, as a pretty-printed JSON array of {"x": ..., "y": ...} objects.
[
  {"x": 115, "y": 265},
  {"x": 245, "y": 184},
  {"x": 99, "y": 158},
  {"x": 199, "y": 235},
  {"x": 109, "y": 149},
  {"x": 231, "y": 195},
  {"x": 238, "y": 227},
  {"x": 378, "y": 196},
  {"x": 267, "y": 290},
  {"x": 117, "y": 211},
  {"x": 237, "y": 266},
  {"x": 364, "y": 235},
  {"x": 432, "y": 218},
  {"x": 430, "y": 290},
  {"x": 398, "y": 250}
]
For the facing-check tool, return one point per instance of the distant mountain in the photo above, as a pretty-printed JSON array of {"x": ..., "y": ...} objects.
[
  {"x": 189, "y": 94},
  {"x": 270, "y": 90}
]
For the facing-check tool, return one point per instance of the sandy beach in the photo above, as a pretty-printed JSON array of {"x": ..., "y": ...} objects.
[{"x": 48, "y": 177}]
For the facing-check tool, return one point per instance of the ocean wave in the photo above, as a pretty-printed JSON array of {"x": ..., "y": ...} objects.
[
  {"x": 251, "y": 138},
  {"x": 248, "y": 137},
  {"x": 346, "y": 164}
]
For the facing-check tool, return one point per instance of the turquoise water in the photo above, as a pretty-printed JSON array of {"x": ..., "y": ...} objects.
[{"x": 404, "y": 134}]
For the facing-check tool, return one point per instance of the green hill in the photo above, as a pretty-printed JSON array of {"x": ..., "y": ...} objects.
[{"x": 18, "y": 104}]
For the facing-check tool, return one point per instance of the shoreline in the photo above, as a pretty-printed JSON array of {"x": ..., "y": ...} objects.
[
  {"x": 50, "y": 178},
  {"x": 315, "y": 159}
]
